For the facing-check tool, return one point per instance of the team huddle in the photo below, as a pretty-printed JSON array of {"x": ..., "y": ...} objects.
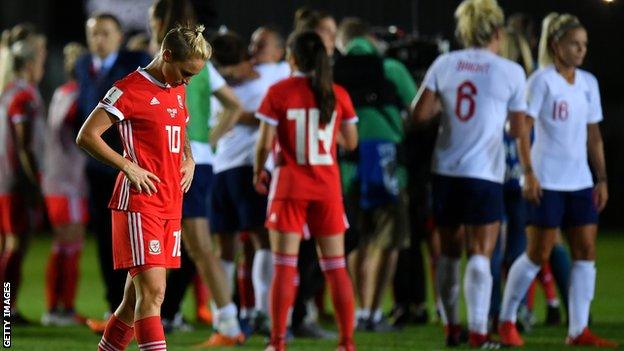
[{"x": 215, "y": 129}]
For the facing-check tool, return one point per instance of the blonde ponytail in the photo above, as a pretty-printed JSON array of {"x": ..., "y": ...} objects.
[
  {"x": 6, "y": 60},
  {"x": 477, "y": 21},
  {"x": 554, "y": 27},
  {"x": 187, "y": 42}
]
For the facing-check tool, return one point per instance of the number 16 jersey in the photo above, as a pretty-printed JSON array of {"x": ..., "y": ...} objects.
[
  {"x": 477, "y": 90},
  {"x": 152, "y": 121},
  {"x": 305, "y": 149}
]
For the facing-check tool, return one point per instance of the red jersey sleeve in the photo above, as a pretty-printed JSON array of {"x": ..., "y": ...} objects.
[
  {"x": 269, "y": 111},
  {"x": 117, "y": 102},
  {"x": 22, "y": 107},
  {"x": 343, "y": 102}
]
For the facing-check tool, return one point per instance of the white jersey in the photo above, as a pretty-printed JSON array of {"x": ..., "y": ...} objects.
[
  {"x": 64, "y": 162},
  {"x": 477, "y": 89},
  {"x": 202, "y": 152},
  {"x": 236, "y": 147},
  {"x": 562, "y": 112}
]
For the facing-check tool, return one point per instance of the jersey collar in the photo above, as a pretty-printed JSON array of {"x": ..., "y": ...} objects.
[{"x": 149, "y": 77}]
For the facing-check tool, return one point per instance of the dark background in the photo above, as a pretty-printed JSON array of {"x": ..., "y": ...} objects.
[{"x": 63, "y": 21}]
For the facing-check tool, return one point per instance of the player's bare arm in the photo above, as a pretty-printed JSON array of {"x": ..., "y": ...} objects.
[
  {"x": 595, "y": 147},
  {"x": 231, "y": 113},
  {"x": 521, "y": 126},
  {"x": 425, "y": 106},
  {"x": 188, "y": 166},
  {"x": 263, "y": 147},
  {"x": 25, "y": 155},
  {"x": 90, "y": 139}
]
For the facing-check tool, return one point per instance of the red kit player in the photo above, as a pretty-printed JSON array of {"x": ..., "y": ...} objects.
[
  {"x": 148, "y": 108},
  {"x": 301, "y": 117}
]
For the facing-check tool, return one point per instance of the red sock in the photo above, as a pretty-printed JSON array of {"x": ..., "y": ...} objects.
[
  {"x": 530, "y": 297},
  {"x": 117, "y": 335},
  {"x": 53, "y": 283},
  {"x": 548, "y": 284},
  {"x": 201, "y": 291},
  {"x": 150, "y": 334},
  {"x": 283, "y": 293},
  {"x": 245, "y": 285},
  {"x": 337, "y": 278},
  {"x": 70, "y": 274}
]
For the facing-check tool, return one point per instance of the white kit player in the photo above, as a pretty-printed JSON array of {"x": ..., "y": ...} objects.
[
  {"x": 235, "y": 205},
  {"x": 477, "y": 91},
  {"x": 564, "y": 108}
]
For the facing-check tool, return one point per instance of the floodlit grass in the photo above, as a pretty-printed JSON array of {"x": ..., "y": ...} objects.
[{"x": 607, "y": 311}]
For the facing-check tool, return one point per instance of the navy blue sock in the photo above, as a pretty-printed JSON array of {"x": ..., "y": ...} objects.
[{"x": 561, "y": 264}]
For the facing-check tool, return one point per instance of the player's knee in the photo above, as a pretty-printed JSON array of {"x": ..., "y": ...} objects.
[
  {"x": 153, "y": 294},
  {"x": 584, "y": 252},
  {"x": 538, "y": 255}
]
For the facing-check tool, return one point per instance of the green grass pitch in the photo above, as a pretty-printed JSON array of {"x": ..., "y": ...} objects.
[{"x": 607, "y": 311}]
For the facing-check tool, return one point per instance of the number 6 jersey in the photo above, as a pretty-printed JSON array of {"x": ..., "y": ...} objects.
[
  {"x": 477, "y": 90},
  {"x": 305, "y": 150},
  {"x": 152, "y": 121}
]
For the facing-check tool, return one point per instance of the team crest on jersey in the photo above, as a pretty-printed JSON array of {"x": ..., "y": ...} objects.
[
  {"x": 172, "y": 112},
  {"x": 180, "y": 104},
  {"x": 154, "y": 247}
]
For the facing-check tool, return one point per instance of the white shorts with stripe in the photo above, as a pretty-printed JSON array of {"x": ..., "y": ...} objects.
[{"x": 145, "y": 239}]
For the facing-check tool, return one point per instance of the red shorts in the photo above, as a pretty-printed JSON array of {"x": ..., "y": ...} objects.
[
  {"x": 145, "y": 239},
  {"x": 64, "y": 210},
  {"x": 322, "y": 217},
  {"x": 12, "y": 220}
]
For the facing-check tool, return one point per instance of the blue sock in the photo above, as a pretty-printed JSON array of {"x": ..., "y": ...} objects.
[
  {"x": 496, "y": 264},
  {"x": 561, "y": 265}
]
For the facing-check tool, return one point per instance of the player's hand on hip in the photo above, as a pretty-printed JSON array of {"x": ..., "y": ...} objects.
[
  {"x": 261, "y": 181},
  {"x": 601, "y": 195},
  {"x": 532, "y": 189},
  {"x": 141, "y": 179},
  {"x": 187, "y": 171}
]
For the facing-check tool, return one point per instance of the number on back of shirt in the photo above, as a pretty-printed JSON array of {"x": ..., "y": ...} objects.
[
  {"x": 465, "y": 104},
  {"x": 173, "y": 136},
  {"x": 310, "y": 134}
]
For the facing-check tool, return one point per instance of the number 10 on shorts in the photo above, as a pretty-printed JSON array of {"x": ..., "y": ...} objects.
[{"x": 177, "y": 235}]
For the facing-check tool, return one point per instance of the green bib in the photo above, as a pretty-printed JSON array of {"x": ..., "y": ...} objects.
[{"x": 198, "y": 93}]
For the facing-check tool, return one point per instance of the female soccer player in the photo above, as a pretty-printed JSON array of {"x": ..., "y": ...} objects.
[
  {"x": 65, "y": 190},
  {"x": 564, "y": 106},
  {"x": 476, "y": 91},
  {"x": 22, "y": 124},
  {"x": 148, "y": 108},
  {"x": 301, "y": 117}
]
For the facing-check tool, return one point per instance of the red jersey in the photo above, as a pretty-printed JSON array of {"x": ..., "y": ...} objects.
[
  {"x": 19, "y": 102},
  {"x": 152, "y": 122},
  {"x": 305, "y": 150}
]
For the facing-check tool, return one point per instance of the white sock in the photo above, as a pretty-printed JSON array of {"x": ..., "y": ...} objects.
[
  {"x": 365, "y": 314},
  {"x": 477, "y": 291},
  {"x": 582, "y": 284},
  {"x": 447, "y": 282},
  {"x": 521, "y": 274},
  {"x": 229, "y": 269},
  {"x": 261, "y": 275},
  {"x": 227, "y": 320},
  {"x": 377, "y": 315}
]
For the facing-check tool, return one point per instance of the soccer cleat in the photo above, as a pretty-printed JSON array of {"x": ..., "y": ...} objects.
[
  {"x": 346, "y": 345},
  {"x": 482, "y": 341},
  {"x": 220, "y": 340},
  {"x": 509, "y": 334},
  {"x": 97, "y": 326},
  {"x": 587, "y": 338},
  {"x": 454, "y": 335},
  {"x": 204, "y": 315},
  {"x": 276, "y": 345},
  {"x": 553, "y": 315}
]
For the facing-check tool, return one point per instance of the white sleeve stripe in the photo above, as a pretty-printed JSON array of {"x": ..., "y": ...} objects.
[
  {"x": 18, "y": 119},
  {"x": 351, "y": 120},
  {"x": 112, "y": 110},
  {"x": 270, "y": 120}
]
